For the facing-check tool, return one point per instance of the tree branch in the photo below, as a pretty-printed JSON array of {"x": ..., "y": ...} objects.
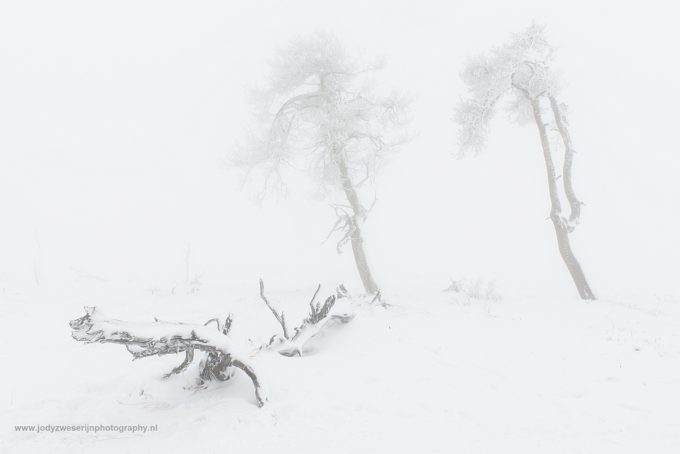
[
  {"x": 319, "y": 314},
  {"x": 280, "y": 317}
]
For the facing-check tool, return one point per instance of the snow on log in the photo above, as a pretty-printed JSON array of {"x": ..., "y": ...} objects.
[
  {"x": 219, "y": 355},
  {"x": 294, "y": 342},
  {"x": 161, "y": 338}
]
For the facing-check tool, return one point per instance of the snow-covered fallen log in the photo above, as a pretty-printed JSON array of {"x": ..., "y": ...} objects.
[
  {"x": 220, "y": 356},
  {"x": 162, "y": 338},
  {"x": 293, "y": 342}
]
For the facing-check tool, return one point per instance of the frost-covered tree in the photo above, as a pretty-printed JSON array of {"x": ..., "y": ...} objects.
[
  {"x": 321, "y": 114},
  {"x": 520, "y": 74}
]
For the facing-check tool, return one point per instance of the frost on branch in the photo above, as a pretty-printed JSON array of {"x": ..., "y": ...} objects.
[
  {"x": 319, "y": 107},
  {"x": 322, "y": 114},
  {"x": 489, "y": 79}
]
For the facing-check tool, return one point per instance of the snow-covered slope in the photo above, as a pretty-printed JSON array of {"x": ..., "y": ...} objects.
[{"x": 433, "y": 372}]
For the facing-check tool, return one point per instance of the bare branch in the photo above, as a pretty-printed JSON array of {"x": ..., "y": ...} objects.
[
  {"x": 226, "y": 327},
  {"x": 341, "y": 292},
  {"x": 217, "y": 322},
  {"x": 345, "y": 223},
  {"x": 313, "y": 323},
  {"x": 316, "y": 292},
  {"x": 280, "y": 317},
  {"x": 223, "y": 328},
  {"x": 189, "y": 352}
]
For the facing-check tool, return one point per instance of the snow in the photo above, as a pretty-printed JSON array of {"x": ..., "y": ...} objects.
[
  {"x": 432, "y": 372},
  {"x": 115, "y": 119}
]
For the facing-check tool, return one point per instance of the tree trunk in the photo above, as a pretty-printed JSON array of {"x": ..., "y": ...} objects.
[
  {"x": 355, "y": 236},
  {"x": 559, "y": 223},
  {"x": 361, "y": 262},
  {"x": 574, "y": 202}
]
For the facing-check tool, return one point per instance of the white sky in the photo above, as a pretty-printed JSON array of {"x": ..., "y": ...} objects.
[{"x": 115, "y": 116}]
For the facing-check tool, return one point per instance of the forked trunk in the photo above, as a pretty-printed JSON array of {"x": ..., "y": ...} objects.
[
  {"x": 356, "y": 237},
  {"x": 574, "y": 202},
  {"x": 559, "y": 223}
]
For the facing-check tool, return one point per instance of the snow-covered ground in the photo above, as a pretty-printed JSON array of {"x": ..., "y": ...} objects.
[{"x": 433, "y": 372}]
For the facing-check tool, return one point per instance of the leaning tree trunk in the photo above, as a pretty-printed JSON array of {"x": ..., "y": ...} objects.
[
  {"x": 574, "y": 202},
  {"x": 356, "y": 237},
  {"x": 561, "y": 225},
  {"x": 361, "y": 262}
]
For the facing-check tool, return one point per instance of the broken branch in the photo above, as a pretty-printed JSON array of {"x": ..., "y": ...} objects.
[{"x": 280, "y": 317}]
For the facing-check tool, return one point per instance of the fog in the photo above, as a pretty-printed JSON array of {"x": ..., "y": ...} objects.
[{"x": 116, "y": 118}]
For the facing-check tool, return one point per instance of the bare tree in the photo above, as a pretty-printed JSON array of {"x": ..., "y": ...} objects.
[
  {"x": 320, "y": 114},
  {"x": 521, "y": 72}
]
